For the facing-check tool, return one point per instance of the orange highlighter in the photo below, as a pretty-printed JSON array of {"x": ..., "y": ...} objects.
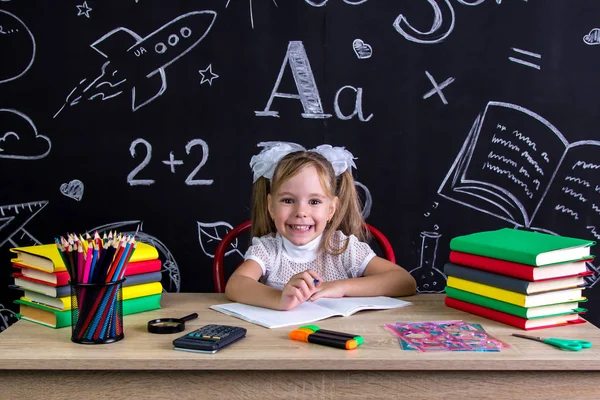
[{"x": 314, "y": 334}]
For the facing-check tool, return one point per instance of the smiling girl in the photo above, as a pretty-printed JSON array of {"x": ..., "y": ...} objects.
[{"x": 308, "y": 233}]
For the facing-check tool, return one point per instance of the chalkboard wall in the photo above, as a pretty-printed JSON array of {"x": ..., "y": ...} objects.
[{"x": 142, "y": 115}]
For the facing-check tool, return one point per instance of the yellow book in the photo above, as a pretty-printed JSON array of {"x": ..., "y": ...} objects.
[
  {"x": 64, "y": 303},
  {"x": 46, "y": 257},
  {"x": 145, "y": 289},
  {"x": 530, "y": 300},
  {"x": 144, "y": 252}
]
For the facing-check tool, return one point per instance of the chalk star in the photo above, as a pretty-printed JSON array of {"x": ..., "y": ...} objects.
[
  {"x": 172, "y": 162},
  {"x": 84, "y": 9},
  {"x": 205, "y": 72}
]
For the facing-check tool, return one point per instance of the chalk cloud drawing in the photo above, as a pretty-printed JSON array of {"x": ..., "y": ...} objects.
[
  {"x": 141, "y": 61},
  {"x": 251, "y": 10},
  {"x": 362, "y": 49},
  {"x": 429, "y": 278},
  {"x": 208, "y": 75},
  {"x": 437, "y": 88},
  {"x": 523, "y": 62},
  {"x": 73, "y": 189},
  {"x": 592, "y": 38},
  {"x": 19, "y": 138},
  {"x": 442, "y": 10},
  {"x": 15, "y": 35},
  {"x": 210, "y": 235},
  {"x": 515, "y": 163},
  {"x": 83, "y": 9},
  {"x": 135, "y": 227}
]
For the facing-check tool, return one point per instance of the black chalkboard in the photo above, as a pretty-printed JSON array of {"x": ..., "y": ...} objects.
[{"x": 464, "y": 115}]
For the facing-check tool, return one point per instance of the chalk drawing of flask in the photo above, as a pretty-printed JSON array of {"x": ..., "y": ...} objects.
[{"x": 429, "y": 279}]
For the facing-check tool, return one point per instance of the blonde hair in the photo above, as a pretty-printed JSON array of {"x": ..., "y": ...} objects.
[{"x": 347, "y": 217}]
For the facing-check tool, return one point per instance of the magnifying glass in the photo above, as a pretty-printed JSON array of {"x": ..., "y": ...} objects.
[{"x": 169, "y": 325}]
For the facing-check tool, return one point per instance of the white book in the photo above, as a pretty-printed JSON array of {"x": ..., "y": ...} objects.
[{"x": 308, "y": 311}]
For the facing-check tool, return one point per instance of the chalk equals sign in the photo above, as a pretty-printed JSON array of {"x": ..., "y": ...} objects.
[{"x": 523, "y": 62}]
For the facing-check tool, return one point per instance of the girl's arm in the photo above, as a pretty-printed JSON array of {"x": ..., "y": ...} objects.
[
  {"x": 243, "y": 286},
  {"x": 381, "y": 278}
]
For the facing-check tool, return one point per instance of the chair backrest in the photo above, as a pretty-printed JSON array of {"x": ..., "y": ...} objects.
[{"x": 219, "y": 259}]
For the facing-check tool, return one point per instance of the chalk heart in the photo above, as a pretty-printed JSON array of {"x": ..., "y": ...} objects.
[
  {"x": 362, "y": 49},
  {"x": 73, "y": 189}
]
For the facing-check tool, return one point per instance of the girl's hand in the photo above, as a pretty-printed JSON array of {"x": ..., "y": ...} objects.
[
  {"x": 333, "y": 289},
  {"x": 299, "y": 289}
]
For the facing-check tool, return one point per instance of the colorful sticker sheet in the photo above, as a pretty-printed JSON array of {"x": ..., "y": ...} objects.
[{"x": 453, "y": 335}]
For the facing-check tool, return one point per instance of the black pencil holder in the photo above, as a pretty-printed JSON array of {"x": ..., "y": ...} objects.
[{"x": 97, "y": 312}]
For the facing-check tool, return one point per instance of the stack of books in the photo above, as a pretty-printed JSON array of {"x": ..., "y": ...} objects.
[
  {"x": 525, "y": 279},
  {"x": 42, "y": 276}
]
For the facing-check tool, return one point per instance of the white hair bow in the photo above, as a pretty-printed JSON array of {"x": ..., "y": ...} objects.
[
  {"x": 339, "y": 157},
  {"x": 264, "y": 163}
]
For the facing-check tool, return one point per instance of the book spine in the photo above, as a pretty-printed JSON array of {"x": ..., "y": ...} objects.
[
  {"x": 486, "y": 302},
  {"x": 491, "y": 250},
  {"x": 487, "y": 278},
  {"x": 487, "y": 291},
  {"x": 63, "y": 318},
  {"x": 144, "y": 289},
  {"x": 142, "y": 267},
  {"x": 63, "y": 291},
  {"x": 486, "y": 312},
  {"x": 508, "y": 268},
  {"x": 141, "y": 304},
  {"x": 503, "y": 317},
  {"x": 138, "y": 279}
]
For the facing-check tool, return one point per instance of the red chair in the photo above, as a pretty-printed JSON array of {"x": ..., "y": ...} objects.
[{"x": 219, "y": 259}]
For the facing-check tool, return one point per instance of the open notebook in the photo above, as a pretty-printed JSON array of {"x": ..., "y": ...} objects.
[{"x": 308, "y": 311}]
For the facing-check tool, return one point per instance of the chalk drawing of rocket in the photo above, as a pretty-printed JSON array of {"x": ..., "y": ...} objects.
[{"x": 143, "y": 59}]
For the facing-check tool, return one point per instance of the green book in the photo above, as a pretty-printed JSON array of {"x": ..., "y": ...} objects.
[
  {"x": 55, "y": 318},
  {"x": 525, "y": 247},
  {"x": 528, "y": 313}
]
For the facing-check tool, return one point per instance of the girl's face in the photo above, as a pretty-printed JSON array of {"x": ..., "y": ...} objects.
[{"x": 301, "y": 207}]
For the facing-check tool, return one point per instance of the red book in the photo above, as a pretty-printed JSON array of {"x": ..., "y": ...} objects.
[
  {"x": 517, "y": 270},
  {"x": 513, "y": 320},
  {"x": 143, "y": 267},
  {"x": 62, "y": 278}
]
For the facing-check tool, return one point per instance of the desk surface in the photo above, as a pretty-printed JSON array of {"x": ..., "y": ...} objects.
[{"x": 26, "y": 346}]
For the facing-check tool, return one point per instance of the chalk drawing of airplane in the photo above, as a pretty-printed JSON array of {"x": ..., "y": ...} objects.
[{"x": 134, "y": 56}]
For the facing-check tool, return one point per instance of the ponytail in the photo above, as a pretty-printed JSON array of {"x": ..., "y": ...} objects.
[
  {"x": 261, "y": 222},
  {"x": 347, "y": 217}
]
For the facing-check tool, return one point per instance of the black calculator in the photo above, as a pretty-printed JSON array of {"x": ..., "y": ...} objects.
[{"x": 209, "y": 338}]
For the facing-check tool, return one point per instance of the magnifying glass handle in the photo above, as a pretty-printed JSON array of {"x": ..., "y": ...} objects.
[{"x": 189, "y": 317}]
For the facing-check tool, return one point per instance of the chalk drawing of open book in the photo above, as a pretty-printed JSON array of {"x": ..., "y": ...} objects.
[{"x": 515, "y": 165}]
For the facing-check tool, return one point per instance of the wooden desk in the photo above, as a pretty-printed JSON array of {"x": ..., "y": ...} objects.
[{"x": 38, "y": 362}]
